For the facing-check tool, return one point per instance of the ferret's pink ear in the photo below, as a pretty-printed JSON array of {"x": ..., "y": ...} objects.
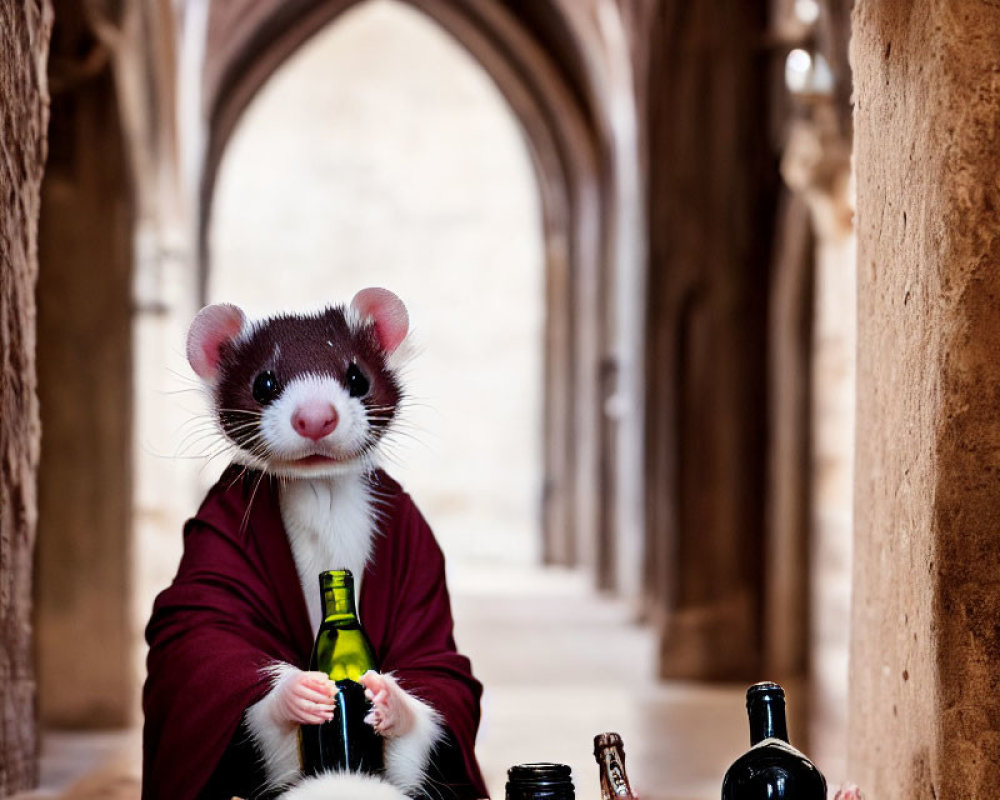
[
  {"x": 212, "y": 327},
  {"x": 391, "y": 320}
]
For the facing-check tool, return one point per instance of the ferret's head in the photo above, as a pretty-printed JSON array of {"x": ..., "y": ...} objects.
[{"x": 303, "y": 396}]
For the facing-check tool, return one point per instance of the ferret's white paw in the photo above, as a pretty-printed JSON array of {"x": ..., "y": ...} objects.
[
  {"x": 296, "y": 697},
  {"x": 343, "y": 786},
  {"x": 391, "y": 714},
  {"x": 411, "y": 729},
  {"x": 303, "y": 698}
]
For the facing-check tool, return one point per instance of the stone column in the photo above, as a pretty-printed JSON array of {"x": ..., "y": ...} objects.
[
  {"x": 712, "y": 198},
  {"x": 24, "y": 42},
  {"x": 817, "y": 166},
  {"x": 925, "y": 651},
  {"x": 85, "y": 382}
]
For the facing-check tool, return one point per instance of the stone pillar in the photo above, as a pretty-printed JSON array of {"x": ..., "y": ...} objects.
[
  {"x": 925, "y": 650},
  {"x": 85, "y": 386},
  {"x": 816, "y": 167},
  {"x": 24, "y": 41},
  {"x": 786, "y": 593},
  {"x": 712, "y": 195}
]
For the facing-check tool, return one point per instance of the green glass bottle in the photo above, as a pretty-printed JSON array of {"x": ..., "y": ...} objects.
[{"x": 342, "y": 651}]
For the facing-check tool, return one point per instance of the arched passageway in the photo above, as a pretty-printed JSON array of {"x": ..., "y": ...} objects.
[
  {"x": 324, "y": 184},
  {"x": 922, "y": 470},
  {"x": 695, "y": 349},
  {"x": 406, "y": 169},
  {"x": 381, "y": 152},
  {"x": 548, "y": 92}
]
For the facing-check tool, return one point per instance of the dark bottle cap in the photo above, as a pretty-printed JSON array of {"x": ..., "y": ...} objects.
[
  {"x": 540, "y": 781},
  {"x": 764, "y": 689}
]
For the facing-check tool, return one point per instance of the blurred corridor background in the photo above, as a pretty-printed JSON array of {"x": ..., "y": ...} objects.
[{"x": 624, "y": 235}]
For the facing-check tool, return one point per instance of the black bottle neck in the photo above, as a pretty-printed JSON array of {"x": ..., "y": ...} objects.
[
  {"x": 766, "y": 709},
  {"x": 539, "y": 781}
]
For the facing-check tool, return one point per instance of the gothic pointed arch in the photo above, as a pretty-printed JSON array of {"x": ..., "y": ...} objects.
[{"x": 531, "y": 53}]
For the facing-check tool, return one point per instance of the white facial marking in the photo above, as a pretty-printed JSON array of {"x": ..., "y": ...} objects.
[{"x": 286, "y": 448}]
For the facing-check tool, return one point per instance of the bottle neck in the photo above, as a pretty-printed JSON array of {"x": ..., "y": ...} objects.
[
  {"x": 337, "y": 596},
  {"x": 539, "y": 781},
  {"x": 614, "y": 780},
  {"x": 767, "y": 718}
]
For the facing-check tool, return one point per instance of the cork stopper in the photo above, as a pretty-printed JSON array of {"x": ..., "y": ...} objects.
[{"x": 605, "y": 740}]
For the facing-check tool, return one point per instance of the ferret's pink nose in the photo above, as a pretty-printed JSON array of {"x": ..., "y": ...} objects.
[{"x": 314, "y": 420}]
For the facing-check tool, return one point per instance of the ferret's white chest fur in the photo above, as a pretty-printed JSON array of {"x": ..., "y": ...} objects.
[{"x": 331, "y": 525}]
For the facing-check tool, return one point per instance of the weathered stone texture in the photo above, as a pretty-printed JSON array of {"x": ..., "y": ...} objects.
[
  {"x": 24, "y": 37},
  {"x": 925, "y": 674}
]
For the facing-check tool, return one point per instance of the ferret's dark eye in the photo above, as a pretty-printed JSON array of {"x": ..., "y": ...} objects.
[
  {"x": 265, "y": 387},
  {"x": 357, "y": 383}
]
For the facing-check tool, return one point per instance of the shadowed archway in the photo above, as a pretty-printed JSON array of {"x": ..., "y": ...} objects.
[{"x": 546, "y": 89}]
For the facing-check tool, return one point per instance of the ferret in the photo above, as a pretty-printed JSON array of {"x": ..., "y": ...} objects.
[{"x": 309, "y": 399}]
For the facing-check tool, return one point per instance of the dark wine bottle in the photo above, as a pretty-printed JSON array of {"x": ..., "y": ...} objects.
[
  {"x": 346, "y": 743},
  {"x": 771, "y": 769},
  {"x": 610, "y": 754},
  {"x": 539, "y": 781}
]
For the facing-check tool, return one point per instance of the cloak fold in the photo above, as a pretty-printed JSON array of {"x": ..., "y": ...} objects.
[{"x": 236, "y": 606}]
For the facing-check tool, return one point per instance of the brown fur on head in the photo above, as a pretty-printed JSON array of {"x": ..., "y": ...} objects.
[{"x": 303, "y": 395}]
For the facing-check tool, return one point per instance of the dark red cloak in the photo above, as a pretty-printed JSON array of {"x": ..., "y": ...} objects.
[{"x": 236, "y": 605}]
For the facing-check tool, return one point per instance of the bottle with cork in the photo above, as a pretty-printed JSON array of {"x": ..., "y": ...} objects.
[{"x": 610, "y": 754}]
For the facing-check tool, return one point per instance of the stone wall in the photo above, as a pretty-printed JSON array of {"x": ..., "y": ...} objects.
[
  {"x": 24, "y": 39},
  {"x": 925, "y": 658}
]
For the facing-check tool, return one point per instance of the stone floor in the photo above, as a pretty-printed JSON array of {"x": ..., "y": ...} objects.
[{"x": 559, "y": 663}]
